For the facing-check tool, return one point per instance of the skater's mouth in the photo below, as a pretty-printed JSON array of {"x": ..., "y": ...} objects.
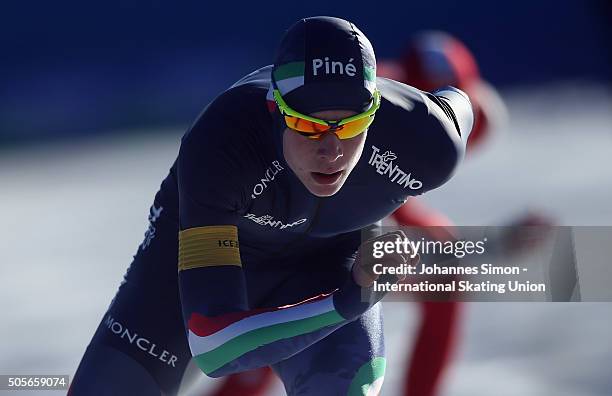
[{"x": 327, "y": 178}]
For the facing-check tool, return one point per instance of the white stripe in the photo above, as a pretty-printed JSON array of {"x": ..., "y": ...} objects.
[
  {"x": 375, "y": 387},
  {"x": 289, "y": 84},
  {"x": 199, "y": 345},
  {"x": 370, "y": 85},
  {"x": 259, "y": 74}
]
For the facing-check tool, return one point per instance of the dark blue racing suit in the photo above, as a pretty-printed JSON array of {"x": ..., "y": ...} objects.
[{"x": 264, "y": 264}]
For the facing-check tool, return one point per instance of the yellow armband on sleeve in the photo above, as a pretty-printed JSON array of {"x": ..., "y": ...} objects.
[{"x": 208, "y": 246}]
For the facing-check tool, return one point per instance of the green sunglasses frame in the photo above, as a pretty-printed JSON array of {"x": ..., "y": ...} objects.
[{"x": 286, "y": 110}]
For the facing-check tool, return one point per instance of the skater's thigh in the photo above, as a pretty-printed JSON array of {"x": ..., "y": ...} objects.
[{"x": 350, "y": 361}]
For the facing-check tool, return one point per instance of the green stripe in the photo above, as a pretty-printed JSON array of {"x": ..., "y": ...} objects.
[
  {"x": 367, "y": 374},
  {"x": 236, "y": 347},
  {"x": 288, "y": 70},
  {"x": 369, "y": 73}
]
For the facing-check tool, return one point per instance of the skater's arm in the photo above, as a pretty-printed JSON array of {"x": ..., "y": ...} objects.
[{"x": 225, "y": 335}]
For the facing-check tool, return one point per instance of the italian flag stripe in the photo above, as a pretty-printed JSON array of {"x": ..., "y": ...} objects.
[
  {"x": 289, "y": 70},
  {"x": 368, "y": 379},
  {"x": 236, "y": 347},
  {"x": 289, "y": 84},
  {"x": 369, "y": 73},
  {"x": 270, "y": 100},
  {"x": 204, "y": 326},
  {"x": 206, "y": 334}
]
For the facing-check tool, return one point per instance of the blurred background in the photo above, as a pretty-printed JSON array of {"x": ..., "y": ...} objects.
[{"x": 95, "y": 96}]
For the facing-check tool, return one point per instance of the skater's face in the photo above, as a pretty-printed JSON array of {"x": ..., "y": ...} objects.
[{"x": 323, "y": 164}]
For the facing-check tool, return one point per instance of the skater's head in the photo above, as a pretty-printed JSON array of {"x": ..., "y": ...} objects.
[{"x": 324, "y": 89}]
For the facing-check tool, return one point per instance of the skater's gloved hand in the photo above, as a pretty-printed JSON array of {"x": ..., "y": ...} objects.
[
  {"x": 358, "y": 295},
  {"x": 363, "y": 268}
]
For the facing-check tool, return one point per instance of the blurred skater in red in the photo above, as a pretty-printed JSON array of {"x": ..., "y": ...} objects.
[{"x": 432, "y": 60}]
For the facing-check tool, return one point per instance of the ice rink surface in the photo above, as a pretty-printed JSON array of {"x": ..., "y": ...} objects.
[{"x": 74, "y": 213}]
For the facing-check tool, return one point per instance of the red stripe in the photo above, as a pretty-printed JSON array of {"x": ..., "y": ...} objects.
[{"x": 204, "y": 326}]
